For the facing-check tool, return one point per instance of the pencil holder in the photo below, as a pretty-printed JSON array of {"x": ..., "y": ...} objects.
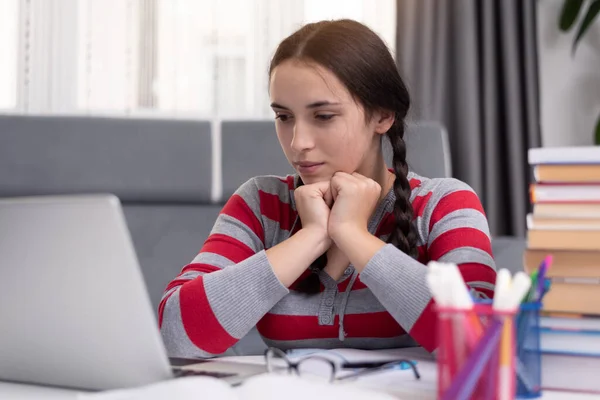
[
  {"x": 528, "y": 362},
  {"x": 476, "y": 349}
]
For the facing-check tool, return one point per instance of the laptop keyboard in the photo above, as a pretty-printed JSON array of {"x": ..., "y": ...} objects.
[{"x": 188, "y": 372}]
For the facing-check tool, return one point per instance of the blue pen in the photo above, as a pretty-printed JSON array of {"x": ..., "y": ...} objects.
[
  {"x": 547, "y": 285},
  {"x": 541, "y": 277}
]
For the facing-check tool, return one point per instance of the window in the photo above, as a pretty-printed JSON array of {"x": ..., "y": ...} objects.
[
  {"x": 173, "y": 58},
  {"x": 9, "y": 34}
]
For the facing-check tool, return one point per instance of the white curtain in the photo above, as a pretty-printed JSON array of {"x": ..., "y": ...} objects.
[
  {"x": 168, "y": 58},
  {"x": 9, "y": 32}
]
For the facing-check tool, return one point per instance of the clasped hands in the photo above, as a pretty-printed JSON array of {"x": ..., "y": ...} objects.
[{"x": 339, "y": 207}]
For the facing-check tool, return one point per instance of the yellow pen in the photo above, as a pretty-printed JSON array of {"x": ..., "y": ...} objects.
[
  {"x": 512, "y": 292},
  {"x": 506, "y": 370}
]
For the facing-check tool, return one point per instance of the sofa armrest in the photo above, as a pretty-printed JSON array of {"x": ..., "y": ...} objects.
[{"x": 508, "y": 252}]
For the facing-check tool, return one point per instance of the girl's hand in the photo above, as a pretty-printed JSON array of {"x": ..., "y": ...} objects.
[
  {"x": 313, "y": 203},
  {"x": 355, "y": 198}
]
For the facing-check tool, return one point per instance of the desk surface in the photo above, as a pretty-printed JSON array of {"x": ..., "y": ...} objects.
[
  {"x": 15, "y": 391},
  {"x": 376, "y": 382}
]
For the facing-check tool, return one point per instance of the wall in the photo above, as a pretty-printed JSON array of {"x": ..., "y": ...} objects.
[{"x": 569, "y": 85}]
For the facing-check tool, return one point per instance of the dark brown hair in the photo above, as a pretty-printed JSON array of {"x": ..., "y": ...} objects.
[{"x": 363, "y": 63}]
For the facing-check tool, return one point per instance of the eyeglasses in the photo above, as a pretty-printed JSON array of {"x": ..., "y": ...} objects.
[{"x": 317, "y": 366}]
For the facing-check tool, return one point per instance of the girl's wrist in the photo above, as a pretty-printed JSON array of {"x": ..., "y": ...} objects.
[
  {"x": 359, "y": 245},
  {"x": 318, "y": 237},
  {"x": 346, "y": 233}
]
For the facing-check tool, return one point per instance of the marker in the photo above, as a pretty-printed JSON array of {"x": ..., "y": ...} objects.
[{"x": 542, "y": 277}]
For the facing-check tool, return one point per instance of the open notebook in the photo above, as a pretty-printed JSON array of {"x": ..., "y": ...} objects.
[
  {"x": 264, "y": 387},
  {"x": 385, "y": 386}
]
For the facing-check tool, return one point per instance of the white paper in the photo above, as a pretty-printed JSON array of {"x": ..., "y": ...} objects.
[
  {"x": 270, "y": 387},
  {"x": 273, "y": 386},
  {"x": 185, "y": 388}
]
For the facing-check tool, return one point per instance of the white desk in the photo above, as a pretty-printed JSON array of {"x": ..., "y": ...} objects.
[{"x": 16, "y": 391}]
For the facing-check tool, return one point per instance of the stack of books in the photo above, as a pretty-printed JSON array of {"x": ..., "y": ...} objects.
[{"x": 565, "y": 223}]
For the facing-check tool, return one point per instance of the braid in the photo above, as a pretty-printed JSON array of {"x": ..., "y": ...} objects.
[
  {"x": 311, "y": 284},
  {"x": 404, "y": 236}
]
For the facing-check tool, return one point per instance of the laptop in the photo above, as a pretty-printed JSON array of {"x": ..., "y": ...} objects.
[{"x": 74, "y": 309}]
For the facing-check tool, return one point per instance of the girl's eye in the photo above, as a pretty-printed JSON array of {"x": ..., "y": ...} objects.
[
  {"x": 282, "y": 117},
  {"x": 324, "y": 117}
]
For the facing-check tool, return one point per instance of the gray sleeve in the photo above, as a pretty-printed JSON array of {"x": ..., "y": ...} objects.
[
  {"x": 455, "y": 230},
  {"x": 399, "y": 283}
]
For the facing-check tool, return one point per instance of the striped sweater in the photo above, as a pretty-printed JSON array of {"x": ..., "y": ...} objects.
[{"x": 230, "y": 287}]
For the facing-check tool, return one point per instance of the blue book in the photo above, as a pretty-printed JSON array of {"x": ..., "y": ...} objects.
[
  {"x": 574, "y": 322},
  {"x": 571, "y": 341}
]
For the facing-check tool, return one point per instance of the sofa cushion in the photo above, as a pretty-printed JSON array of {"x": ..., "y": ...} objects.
[
  {"x": 166, "y": 238},
  {"x": 427, "y": 150},
  {"x": 137, "y": 160},
  {"x": 249, "y": 149}
]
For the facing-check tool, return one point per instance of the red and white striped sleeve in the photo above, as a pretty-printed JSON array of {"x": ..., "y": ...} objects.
[{"x": 227, "y": 288}]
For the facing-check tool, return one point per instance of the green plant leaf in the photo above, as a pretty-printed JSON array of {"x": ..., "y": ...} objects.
[
  {"x": 569, "y": 14},
  {"x": 591, "y": 14},
  {"x": 597, "y": 141}
]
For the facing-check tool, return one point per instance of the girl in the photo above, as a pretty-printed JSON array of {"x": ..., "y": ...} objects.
[{"x": 336, "y": 255}]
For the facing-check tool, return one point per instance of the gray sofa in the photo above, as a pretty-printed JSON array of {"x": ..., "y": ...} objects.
[{"x": 163, "y": 172}]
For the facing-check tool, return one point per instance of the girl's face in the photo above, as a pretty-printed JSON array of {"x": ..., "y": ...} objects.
[{"x": 320, "y": 126}]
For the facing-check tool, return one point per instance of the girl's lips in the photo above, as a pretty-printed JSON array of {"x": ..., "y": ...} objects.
[{"x": 308, "y": 168}]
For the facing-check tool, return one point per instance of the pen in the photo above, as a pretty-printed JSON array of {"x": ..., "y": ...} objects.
[
  {"x": 506, "y": 387},
  {"x": 541, "y": 277},
  {"x": 530, "y": 294},
  {"x": 442, "y": 290},
  {"x": 376, "y": 364},
  {"x": 509, "y": 296},
  {"x": 547, "y": 285}
]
